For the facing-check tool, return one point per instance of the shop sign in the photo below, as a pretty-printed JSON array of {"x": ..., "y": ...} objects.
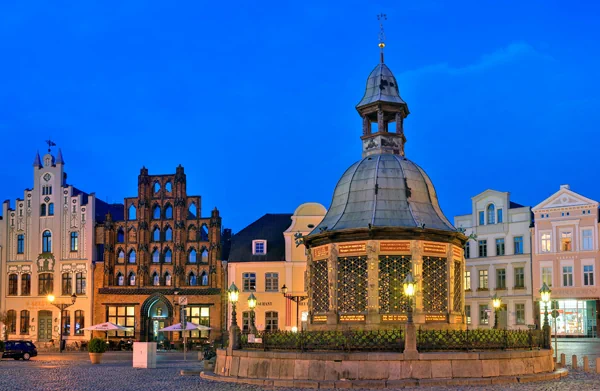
[
  {"x": 352, "y": 248},
  {"x": 395, "y": 246}
]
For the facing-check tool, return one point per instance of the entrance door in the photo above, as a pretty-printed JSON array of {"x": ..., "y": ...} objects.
[
  {"x": 44, "y": 326},
  {"x": 157, "y": 324}
]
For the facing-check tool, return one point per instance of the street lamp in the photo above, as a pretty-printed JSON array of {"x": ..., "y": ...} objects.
[
  {"x": 61, "y": 307},
  {"x": 409, "y": 286},
  {"x": 496, "y": 302},
  {"x": 296, "y": 299},
  {"x": 234, "y": 331},
  {"x": 252, "y": 306},
  {"x": 545, "y": 294}
]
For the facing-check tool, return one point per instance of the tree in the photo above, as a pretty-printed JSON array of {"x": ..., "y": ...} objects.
[{"x": 3, "y": 319}]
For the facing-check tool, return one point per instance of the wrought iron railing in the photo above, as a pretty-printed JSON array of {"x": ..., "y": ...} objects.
[
  {"x": 346, "y": 341},
  {"x": 479, "y": 339}
]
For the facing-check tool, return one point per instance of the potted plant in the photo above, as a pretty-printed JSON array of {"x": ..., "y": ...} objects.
[{"x": 96, "y": 347}]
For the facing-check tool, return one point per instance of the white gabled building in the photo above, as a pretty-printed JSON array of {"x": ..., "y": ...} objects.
[{"x": 498, "y": 261}]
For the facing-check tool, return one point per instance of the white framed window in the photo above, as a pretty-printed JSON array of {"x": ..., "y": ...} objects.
[
  {"x": 491, "y": 214},
  {"x": 587, "y": 240},
  {"x": 566, "y": 241},
  {"x": 567, "y": 274},
  {"x": 271, "y": 282},
  {"x": 588, "y": 275},
  {"x": 249, "y": 282},
  {"x": 467, "y": 280},
  {"x": 546, "y": 242},
  {"x": 259, "y": 247},
  {"x": 547, "y": 275},
  {"x": 520, "y": 313}
]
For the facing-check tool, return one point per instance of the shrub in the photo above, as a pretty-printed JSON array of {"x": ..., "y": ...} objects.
[{"x": 96, "y": 345}]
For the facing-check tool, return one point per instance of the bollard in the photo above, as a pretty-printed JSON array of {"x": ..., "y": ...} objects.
[
  {"x": 563, "y": 360},
  {"x": 597, "y": 364},
  {"x": 586, "y": 364},
  {"x": 574, "y": 361}
]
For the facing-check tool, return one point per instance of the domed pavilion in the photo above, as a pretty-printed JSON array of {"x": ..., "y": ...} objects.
[{"x": 384, "y": 221}]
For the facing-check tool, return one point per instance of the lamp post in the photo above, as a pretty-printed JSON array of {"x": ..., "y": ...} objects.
[
  {"x": 234, "y": 330},
  {"x": 296, "y": 299},
  {"x": 496, "y": 302},
  {"x": 410, "y": 335},
  {"x": 409, "y": 286},
  {"x": 61, "y": 307},
  {"x": 252, "y": 306},
  {"x": 545, "y": 295}
]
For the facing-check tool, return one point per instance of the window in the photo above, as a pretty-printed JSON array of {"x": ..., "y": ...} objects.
[
  {"x": 271, "y": 282},
  {"x": 74, "y": 241},
  {"x": 201, "y": 316},
  {"x": 155, "y": 256},
  {"x": 167, "y": 279},
  {"x": 168, "y": 212},
  {"x": 483, "y": 316},
  {"x": 47, "y": 242},
  {"x": 11, "y": 321},
  {"x": 205, "y": 256},
  {"x": 520, "y": 313},
  {"x": 565, "y": 241},
  {"x": 66, "y": 323},
  {"x": 246, "y": 321},
  {"x": 122, "y": 316},
  {"x": 51, "y": 209},
  {"x": 120, "y": 279},
  {"x": 249, "y": 282},
  {"x": 500, "y": 216},
  {"x": 588, "y": 275},
  {"x": 67, "y": 284},
  {"x": 567, "y": 275},
  {"x": 156, "y": 212},
  {"x": 499, "y": 246},
  {"x": 192, "y": 256},
  {"x": 483, "y": 279},
  {"x": 79, "y": 322},
  {"x": 467, "y": 251},
  {"x": 155, "y": 279},
  {"x": 156, "y": 234},
  {"x": 587, "y": 242},
  {"x": 24, "y": 322},
  {"x": 547, "y": 276},
  {"x": 43, "y": 210},
  {"x": 193, "y": 212},
  {"x": 45, "y": 284},
  {"x": 192, "y": 234},
  {"x": 468, "y": 313},
  {"x": 80, "y": 283},
  {"x": 132, "y": 256},
  {"x": 169, "y": 234},
  {"x": 259, "y": 247},
  {"x": 501, "y": 279},
  {"x": 132, "y": 215},
  {"x": 546, "y": 243},
  {"x": 467, "y": 280},
  {"x": 156, "y": 187},
  {"x": 121, "y": 257},
  {"x": 519, "y": 277},
  {"x": 168, "y": 256},
  {"x": 120, "y": 235},
  {"x": 491, "y": 214},
  {"x": 518, "y": 241},
  {"x": 481, "y": 218},
  {"x": 131, "y": 279},
  {"x": 192, "y": 280},
  {"x": 168, "y": 187},
  {"x": 203, "y": 233},
  {"x": 25, "y": 284},
  {"x": 271, "y": 321},
  {"x": 20, "y": 244},
  {"x": 483, "y": 248},
  {"x": 12, "y": 285}
]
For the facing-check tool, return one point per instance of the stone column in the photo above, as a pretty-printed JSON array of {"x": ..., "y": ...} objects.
[
  {"x": 332, "y": 263},
  {"x": 417, "y": 270},
  {"x": 366, "y": 126},
  {"x": 381, "y": 125},
  {"x": 373, "y": 282},
  {"x": 450, "y": 281}
]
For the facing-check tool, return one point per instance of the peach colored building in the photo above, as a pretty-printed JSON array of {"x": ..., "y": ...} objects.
[{"x": 565, "y": 257}]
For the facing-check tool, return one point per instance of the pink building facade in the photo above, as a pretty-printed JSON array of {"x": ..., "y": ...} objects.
[{"x": 565, "y": 256}]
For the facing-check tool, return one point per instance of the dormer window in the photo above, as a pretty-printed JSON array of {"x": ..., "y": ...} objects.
[{"x": 259, "y": 247}]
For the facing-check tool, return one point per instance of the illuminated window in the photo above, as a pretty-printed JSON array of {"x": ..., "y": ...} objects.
[
  {"x": 79, "y": 322},
  {"x": 467, "y": 280},
  {"x": 565, "y": 241},
  {"x": 520, "y": 313},
  {"x": 121, "y": 257},
  {"x": 468, "y": 313},
  {"x": 483, "y": 315},
  {"x": 80, "y": 283},
  {"x": 198, "y": 315},
  {"x": 155, "y": 279},
  {"x": 122, "y": 316},
  {"x": 546, "y": 243},
  {"x": 66, "y": 322},
  {"x": 120, "y": 279},
  {"x": 483, "y": 279},
  {"x": 547, "y": 276},
  {"x": 67, "y": 284},
  {"x": 167, "y": 279}
]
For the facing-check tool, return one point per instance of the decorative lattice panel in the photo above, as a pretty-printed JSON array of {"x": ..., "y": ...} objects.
[
  {"x": 435, "y": 284},
  {"x": 458, "y": 304},
  {"x": 320, "y": 287},
  {"x": 352, "y": 285},
  {"x": 392, "y": 272}
]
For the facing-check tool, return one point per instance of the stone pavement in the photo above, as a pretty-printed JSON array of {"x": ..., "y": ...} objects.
[{"x": 73, "y": 372}]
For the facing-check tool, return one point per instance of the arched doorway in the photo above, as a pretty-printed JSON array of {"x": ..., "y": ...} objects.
[
  {"x": 157, "y": 312},
  {"x": 44, "y": 326}
]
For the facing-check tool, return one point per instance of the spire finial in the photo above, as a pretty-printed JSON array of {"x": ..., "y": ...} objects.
[
  {"x": 381, "y": 18},
  {"x": 50, "y": 144}
]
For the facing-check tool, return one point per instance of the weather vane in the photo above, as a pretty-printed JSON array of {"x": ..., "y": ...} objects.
[
  {"x": 381, "y": 18},
  {"x": 50, "y": 144}
]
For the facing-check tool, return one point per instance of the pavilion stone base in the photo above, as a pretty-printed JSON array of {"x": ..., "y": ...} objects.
[{"x": 380, "y": 370}]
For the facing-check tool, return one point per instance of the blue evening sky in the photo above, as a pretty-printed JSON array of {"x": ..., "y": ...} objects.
[{"x": 256, "y": 99}]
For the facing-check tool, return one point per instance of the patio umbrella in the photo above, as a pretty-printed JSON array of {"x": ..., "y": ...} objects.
[
  {"x": 188, "y": 326},
  {"x": 107, "y": 326}
]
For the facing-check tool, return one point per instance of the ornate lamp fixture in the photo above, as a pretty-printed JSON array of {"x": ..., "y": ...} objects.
[
  {"x": 410, "y": 287},
  {"x": 252, "y": 306},
  {"x": 496, "y": 302}
]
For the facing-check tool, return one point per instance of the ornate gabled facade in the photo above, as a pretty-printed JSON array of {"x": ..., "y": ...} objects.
[
  {"x": 160, "y": 250},
  {"x": 48, "y": 247}
]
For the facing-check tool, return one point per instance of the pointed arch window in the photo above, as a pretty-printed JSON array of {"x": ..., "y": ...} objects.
[
  {"x": 205, "y": 256},
  {"x": 51, "y": 209},
  {"x": 47, "y": 242},
  {"x": 132, "y": 256},
  {"x": 168, "y": 256},
  {"x": 192, "y": 233},
  {"x": 132, "y": 212},
  {"x": 192, "y": 279},
  {"x": 155, "y": 256},
  {"x": 204, "y": 233},
  {"x": 131, "y": 279},
  {"x": 168, "y": 234},
  {"x": 491, "y": 214},
  {"x": 120, "y": 235},
  {"x": 204, "y": 279},
  {"x": 167, "y": 279},
  {"x": 120, "y": 279},
  {"x": 43, "y": 210},
  {"x": 156, "y": 234},
  {"x": 156, "y": 212},
  {"x": 121, "y": 257},
  {"x": 155, "y": 279},
  {"x": 192, "y": 256},
  {"x": 156, "y": 187},
  {"x": 168, "y": 212},
  {"x": 168, "y": 187},
  {"x": 193, "y": 211}
]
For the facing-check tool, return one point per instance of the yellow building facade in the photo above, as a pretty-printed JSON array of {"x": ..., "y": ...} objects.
[{"x": 265, "y": 256}]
